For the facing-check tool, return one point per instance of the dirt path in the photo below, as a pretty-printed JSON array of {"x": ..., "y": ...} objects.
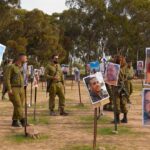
[{"x": 75, "y": 130}]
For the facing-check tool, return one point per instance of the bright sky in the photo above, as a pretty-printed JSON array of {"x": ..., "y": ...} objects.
[{"x": 48, "y": 6}]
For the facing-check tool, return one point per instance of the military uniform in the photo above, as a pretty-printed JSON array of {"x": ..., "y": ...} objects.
[
  {"x": 120, "y": 98},
  {"x": 14, "y": 82},
  {"x": 128, "y": 83},
  {"x": 55, "y": 86},
  {"x": 4, "y": 91}
]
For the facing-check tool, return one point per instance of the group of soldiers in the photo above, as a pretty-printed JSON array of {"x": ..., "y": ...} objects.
[
  {"x": 14, "y": 85},
  {"x": 120, "y": 94}
]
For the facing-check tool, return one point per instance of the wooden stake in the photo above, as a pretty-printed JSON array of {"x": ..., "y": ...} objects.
[
  {"x": 35, "y": 98},
  {"x": 26, "y": 111},
  {"x": 95, "y": 129}
]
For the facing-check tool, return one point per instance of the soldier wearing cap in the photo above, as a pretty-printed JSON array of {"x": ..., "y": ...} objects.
[{"x": 55, "y": 85}]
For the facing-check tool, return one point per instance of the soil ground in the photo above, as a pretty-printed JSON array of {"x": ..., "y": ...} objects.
[{"x": 74, "y": 132}]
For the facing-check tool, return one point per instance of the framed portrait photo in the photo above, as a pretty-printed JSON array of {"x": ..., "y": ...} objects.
[
  {"x": 112, "y": 74},
  {"x": 147, "y": 67},
  {"x": 140, "y": 65},
  {"x": 96, "y": 88},
  {"x": 146, "y": 107},
  {"x": 94, "y": 66}
]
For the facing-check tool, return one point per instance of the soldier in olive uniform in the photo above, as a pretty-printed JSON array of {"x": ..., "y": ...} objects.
[
  {"x": 55, "y": 85},
  {"x": 120, "y": 93},
  {"x": 5, "y": 68},
  {"x": 130, "y": 76},
  {"x": 15, "y": 85}
]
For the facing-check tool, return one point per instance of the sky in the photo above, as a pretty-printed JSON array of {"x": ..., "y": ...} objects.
[
  {"x": 48, "y": 6},
  {"x": 2, "y": 50}
]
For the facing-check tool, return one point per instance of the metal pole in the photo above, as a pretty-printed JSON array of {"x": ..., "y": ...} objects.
[
  {"x": 31, "y": 92},
  {"x": 79, "y": 91},
  {"x": 95, "y": 129},
  {"x": 35, "y": 98},
  {"x": 26, "y": 115},
  {"x": 115, "y": 109}
]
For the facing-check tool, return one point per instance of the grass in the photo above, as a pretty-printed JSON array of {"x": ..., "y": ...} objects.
[
  {"x": 108, "y": 131},
  {"x": 40, "y": 120},
  {"x": 79, "y": 107},
  {"x": 90, "y": 119},
  {"x": 20, "y": 138}
]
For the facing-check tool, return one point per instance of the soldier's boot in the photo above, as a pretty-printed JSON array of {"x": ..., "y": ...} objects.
[
  {"x": 124, "y": 120},
  {"x": 15, "y": 123},
  {"x": 52, "y": 113},
  {"x": 62, "y": 112},
  {"x": 117, "y": 119},
  {"x": 23, "y": 122}
]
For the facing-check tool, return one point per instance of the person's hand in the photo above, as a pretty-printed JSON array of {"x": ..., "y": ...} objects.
[{"x": 10, "y": 93}]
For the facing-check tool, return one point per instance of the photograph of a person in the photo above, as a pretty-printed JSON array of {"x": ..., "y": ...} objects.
[
  {"x": 139, "y": 65},
  {"x": 146, "y": 107},
  {"x": 147, "y": 67},
  {"x": 96, "y": 87},
  {"x": 94, "y": 67},
  {"x": 112, "y": 74}
]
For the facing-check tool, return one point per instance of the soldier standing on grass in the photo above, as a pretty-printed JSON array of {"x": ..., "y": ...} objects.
[
  {"x": 15, "y": 85},
  {"x": 130, "y": 76},
  {"x": 5, "y": 68},
  {"x": 121, "y": 95},
  {"x": 55, "y": 85}
]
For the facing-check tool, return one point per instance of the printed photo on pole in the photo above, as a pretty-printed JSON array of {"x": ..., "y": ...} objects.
[
  {"x": 2, "y": 50},
  {"x": 94, "y": 66},
  {"x": 147, "y": 67},
  {"x": 36, "y": 78},
  {"x": 112, "y": 74},
  {"x": 96, "y": 88},
  {"x": 77, "y": 74},
  {"x": 146, "y": 107},
  {"x": 140, "y": 65}
]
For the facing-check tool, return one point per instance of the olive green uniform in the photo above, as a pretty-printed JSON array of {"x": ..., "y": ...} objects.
[
  {"x": 121, "y": 101},
  {"x": 14, "y": 82},
  {"x": 56, "y": 86},
  {"x": 128, "y": 83}
]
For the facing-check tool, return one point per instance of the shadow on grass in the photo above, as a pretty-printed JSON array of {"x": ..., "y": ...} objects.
[{"x": 20, "y": 138}]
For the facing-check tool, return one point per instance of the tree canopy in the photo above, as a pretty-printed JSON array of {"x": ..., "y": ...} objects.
[{"x": 86, "y": 30}]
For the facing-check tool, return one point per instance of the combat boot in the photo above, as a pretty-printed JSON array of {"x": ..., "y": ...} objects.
[
  {"x": 124, "y": 120},
  {"x": 23, "y": 122},
  {"x": 15, "y": 123},
  {"x": 52, "y": 113},
  {"x": 62, "y": 112},
  {"x": 117, "y": 119}
]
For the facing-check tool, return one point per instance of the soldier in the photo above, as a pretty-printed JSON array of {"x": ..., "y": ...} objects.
[
  {"x": 15, "y": 85},
  {"x": 5, "y": 68},
  {"x": 55, "y": 85},
  {"x": 120, "y": 92},
  {"x": 130, "y": 76}
]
